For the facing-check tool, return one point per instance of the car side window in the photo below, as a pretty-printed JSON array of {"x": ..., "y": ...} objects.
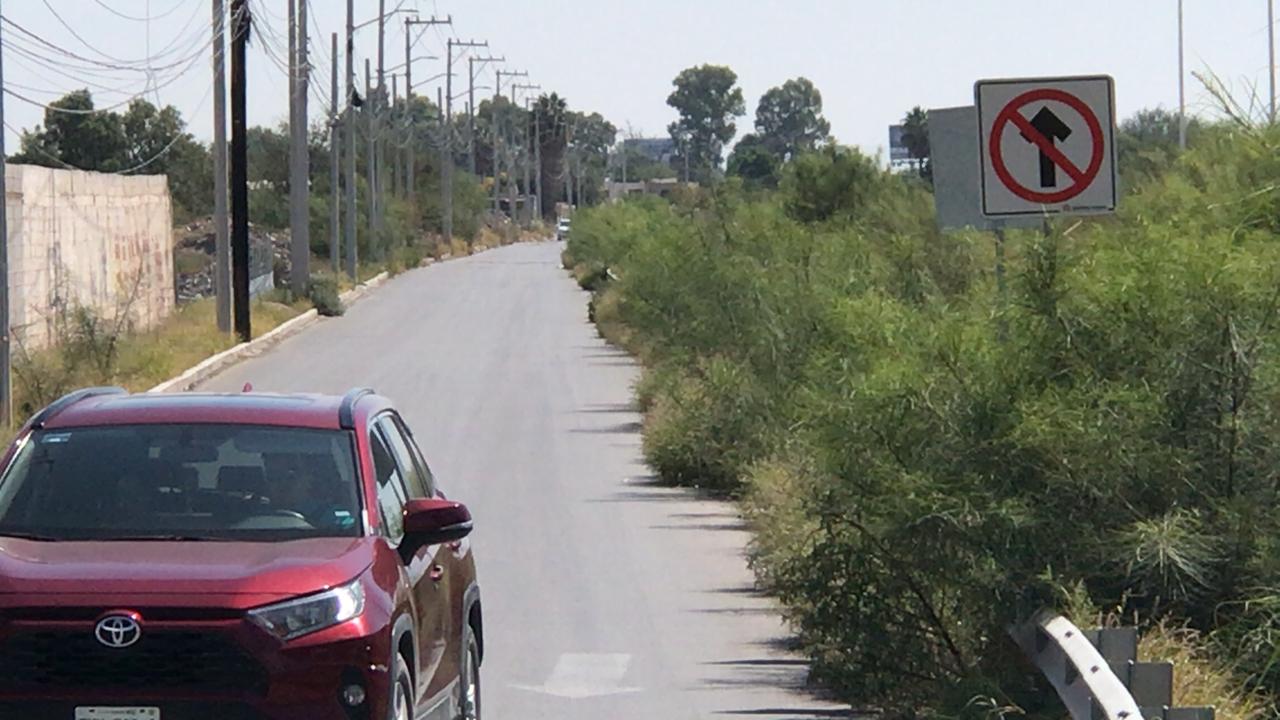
[
  {"x": 414, "y": 473},
  {"x": 391, "y": 492}
]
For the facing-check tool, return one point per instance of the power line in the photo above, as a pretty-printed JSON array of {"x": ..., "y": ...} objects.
[
  {"x": 119, "y": 14},
  {"x": 146, "y": 62}
]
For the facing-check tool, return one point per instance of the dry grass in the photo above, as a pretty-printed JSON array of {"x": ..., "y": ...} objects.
[
  {"x": 1198, "y": 678},
  {"x": 143, "y": 359}
]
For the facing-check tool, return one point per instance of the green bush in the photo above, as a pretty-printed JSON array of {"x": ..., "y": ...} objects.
[
  {"x": 927, "y": 460},
  {"x": 325, "y": 295}
]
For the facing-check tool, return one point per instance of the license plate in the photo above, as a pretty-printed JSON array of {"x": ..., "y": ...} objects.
[{"x": 117, "y": 713}]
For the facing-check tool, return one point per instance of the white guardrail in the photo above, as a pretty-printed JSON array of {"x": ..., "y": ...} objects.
[
  {"x": 1075, "y": 668},
  {"x": 1097, "y": 673}
]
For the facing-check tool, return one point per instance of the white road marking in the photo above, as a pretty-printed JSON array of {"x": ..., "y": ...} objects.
[{"x": 584, "y": 675}]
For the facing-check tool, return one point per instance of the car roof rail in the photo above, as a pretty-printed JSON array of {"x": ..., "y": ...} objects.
[
  {"x": 52, "y": 409},
  {"x": 347, "y": 410}
]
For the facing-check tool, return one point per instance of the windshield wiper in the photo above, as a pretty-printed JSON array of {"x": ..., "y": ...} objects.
[
  {"x": 28, "y": 536},
  {"x": 157, "y": 538}
]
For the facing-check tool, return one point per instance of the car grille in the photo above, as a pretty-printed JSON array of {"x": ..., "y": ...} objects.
[{"x": 161, "y": 660}]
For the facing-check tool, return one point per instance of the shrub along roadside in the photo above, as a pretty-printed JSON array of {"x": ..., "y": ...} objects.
[{"x": 926, "y": 461}]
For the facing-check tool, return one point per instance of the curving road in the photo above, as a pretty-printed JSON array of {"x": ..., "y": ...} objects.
[{"x": 606, "y": 595}]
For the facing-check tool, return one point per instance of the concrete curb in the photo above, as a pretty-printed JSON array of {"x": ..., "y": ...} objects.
[{"x": 215, "y": 364}]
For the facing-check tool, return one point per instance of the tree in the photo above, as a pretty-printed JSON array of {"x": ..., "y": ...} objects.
[
  {"x": 915, "y": 135},
  {"x": 835, "y": 182},
  {"x": 591, "y": 138},
  {"x": 708, "y": 99},
  {"x": 754, "y": 162},
  {"x": 1147, "y": 143},
  {"x": 789, "y": 119},
  {"x": 550, "y": 118},
  {"x": 75, "y": 134},
  {"x": 157, "y": 143},
  {"x": 144, "y": 140}
]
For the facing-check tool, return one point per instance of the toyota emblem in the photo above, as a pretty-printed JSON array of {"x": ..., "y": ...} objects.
[{"x": 118, "y": 631}]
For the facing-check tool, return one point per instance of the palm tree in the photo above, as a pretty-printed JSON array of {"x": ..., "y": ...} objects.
[
  {"x": 552, "y": 113},
  {"x": 915, "y": 135}
]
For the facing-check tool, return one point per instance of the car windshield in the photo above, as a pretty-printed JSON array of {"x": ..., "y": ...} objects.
[{"x": 197, "y": 482}]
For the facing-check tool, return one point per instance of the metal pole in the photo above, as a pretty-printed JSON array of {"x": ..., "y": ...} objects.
[
  {"x": 471, "y": 115},
  {"x": 222, "y": 241},
  {"x": 335, "y": 159},
  {"x": 537, "y": 162},
  {"x": 239, "y": 161},
  {"x": 1182, "y": 91},
  {"x": 382, "y": 39},
  {"x": 6, "y": 407},
  {"x": 353, "y": 251},
  {"x": 398, "y": 148},
  {"x": 445, "y": 161},
  {"x": 1271, "y": 55},
  {"x": 1002, "y": 290},
  {"x": 411, "y": 160}
]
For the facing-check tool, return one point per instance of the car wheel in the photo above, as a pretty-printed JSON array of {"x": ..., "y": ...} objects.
[
  {"x": 469, "y": 678},
  {"x": 402, "y": 703}
]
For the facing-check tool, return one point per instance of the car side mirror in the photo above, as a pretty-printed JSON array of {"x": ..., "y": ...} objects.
[{"x": 434, "y": 521}]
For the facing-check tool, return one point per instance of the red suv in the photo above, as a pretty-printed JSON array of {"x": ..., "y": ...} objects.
[{"x": 282, "y": 557}]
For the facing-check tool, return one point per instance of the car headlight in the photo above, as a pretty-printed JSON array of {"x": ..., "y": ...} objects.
[{"x": 295, "y": 618}]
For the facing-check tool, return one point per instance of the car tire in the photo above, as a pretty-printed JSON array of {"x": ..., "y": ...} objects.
[
  {"x": 469, "y": 677},
  {"x": 402, "y": 702}
]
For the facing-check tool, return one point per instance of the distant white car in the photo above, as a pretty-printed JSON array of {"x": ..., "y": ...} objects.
[{"x": 562, "y": 229}]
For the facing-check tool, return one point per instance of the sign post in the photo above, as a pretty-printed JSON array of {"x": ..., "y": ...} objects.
[{"x": 1047, "y": 146}]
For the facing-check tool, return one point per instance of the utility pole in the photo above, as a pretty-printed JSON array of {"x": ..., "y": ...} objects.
[
  {"x": 411, "y": 173},
  {"x": 240, "y": 25},
  {"x": 353, "y": 252},
  {"x": 499, "y": 141},
  {"x": 380, "y": 107},
  {"x": 471, "y": 107},
  {"x": 371, "y": 160},
  {"x": 447, "y": 169},
  {"x": 6, "y": 396},
  {"x": 1182, "y": 92},
  {"x": 335, "y": 158},
  {"x": 398, "y": 147},
  {"x": 446, "y": 194},
  {"x": 222, "y": 241},
  {"x": 527, "y": 184},
  {"x": 1271, "y": 55},
  {"x": 299, "y": 172}
]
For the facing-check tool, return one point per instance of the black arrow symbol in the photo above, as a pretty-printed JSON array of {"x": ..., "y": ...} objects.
[{"x": 1052, "y": 129}]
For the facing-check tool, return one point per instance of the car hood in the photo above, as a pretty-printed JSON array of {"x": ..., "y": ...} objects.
[{"x": 161, "y": 567}]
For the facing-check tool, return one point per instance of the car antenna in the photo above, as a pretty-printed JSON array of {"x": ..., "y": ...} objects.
[{"x": 248, "y": 387}]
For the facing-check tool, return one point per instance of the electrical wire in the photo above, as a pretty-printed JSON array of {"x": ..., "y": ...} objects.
[
  {"x": 161, "y": 16},
  {"x": 130, "y": 170}
]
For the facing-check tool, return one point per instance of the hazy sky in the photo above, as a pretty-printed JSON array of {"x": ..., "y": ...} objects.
[{"x": 872, "y": 59}]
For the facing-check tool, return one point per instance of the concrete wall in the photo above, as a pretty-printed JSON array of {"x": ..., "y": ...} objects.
[{"x": 102, "y": 241}]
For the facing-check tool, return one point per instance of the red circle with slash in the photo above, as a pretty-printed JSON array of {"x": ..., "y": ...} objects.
[{"x": 1011, "y": 115}]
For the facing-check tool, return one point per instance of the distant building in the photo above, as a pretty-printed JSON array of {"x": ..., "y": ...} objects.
[
  {"x": 656, "y": 149},
  {"x": 662, "y": 188}
]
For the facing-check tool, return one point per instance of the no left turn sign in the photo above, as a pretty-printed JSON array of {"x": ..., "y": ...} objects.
[{"x": 1047, "y": 146}]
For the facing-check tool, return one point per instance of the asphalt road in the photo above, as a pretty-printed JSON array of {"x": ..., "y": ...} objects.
[{"x": 605, "y": 595}]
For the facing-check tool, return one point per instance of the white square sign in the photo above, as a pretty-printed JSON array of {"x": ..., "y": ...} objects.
[{"x": 1047, "y": 146}]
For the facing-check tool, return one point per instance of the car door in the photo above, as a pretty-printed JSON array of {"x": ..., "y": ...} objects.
[{"x": 427, "y": 575}]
